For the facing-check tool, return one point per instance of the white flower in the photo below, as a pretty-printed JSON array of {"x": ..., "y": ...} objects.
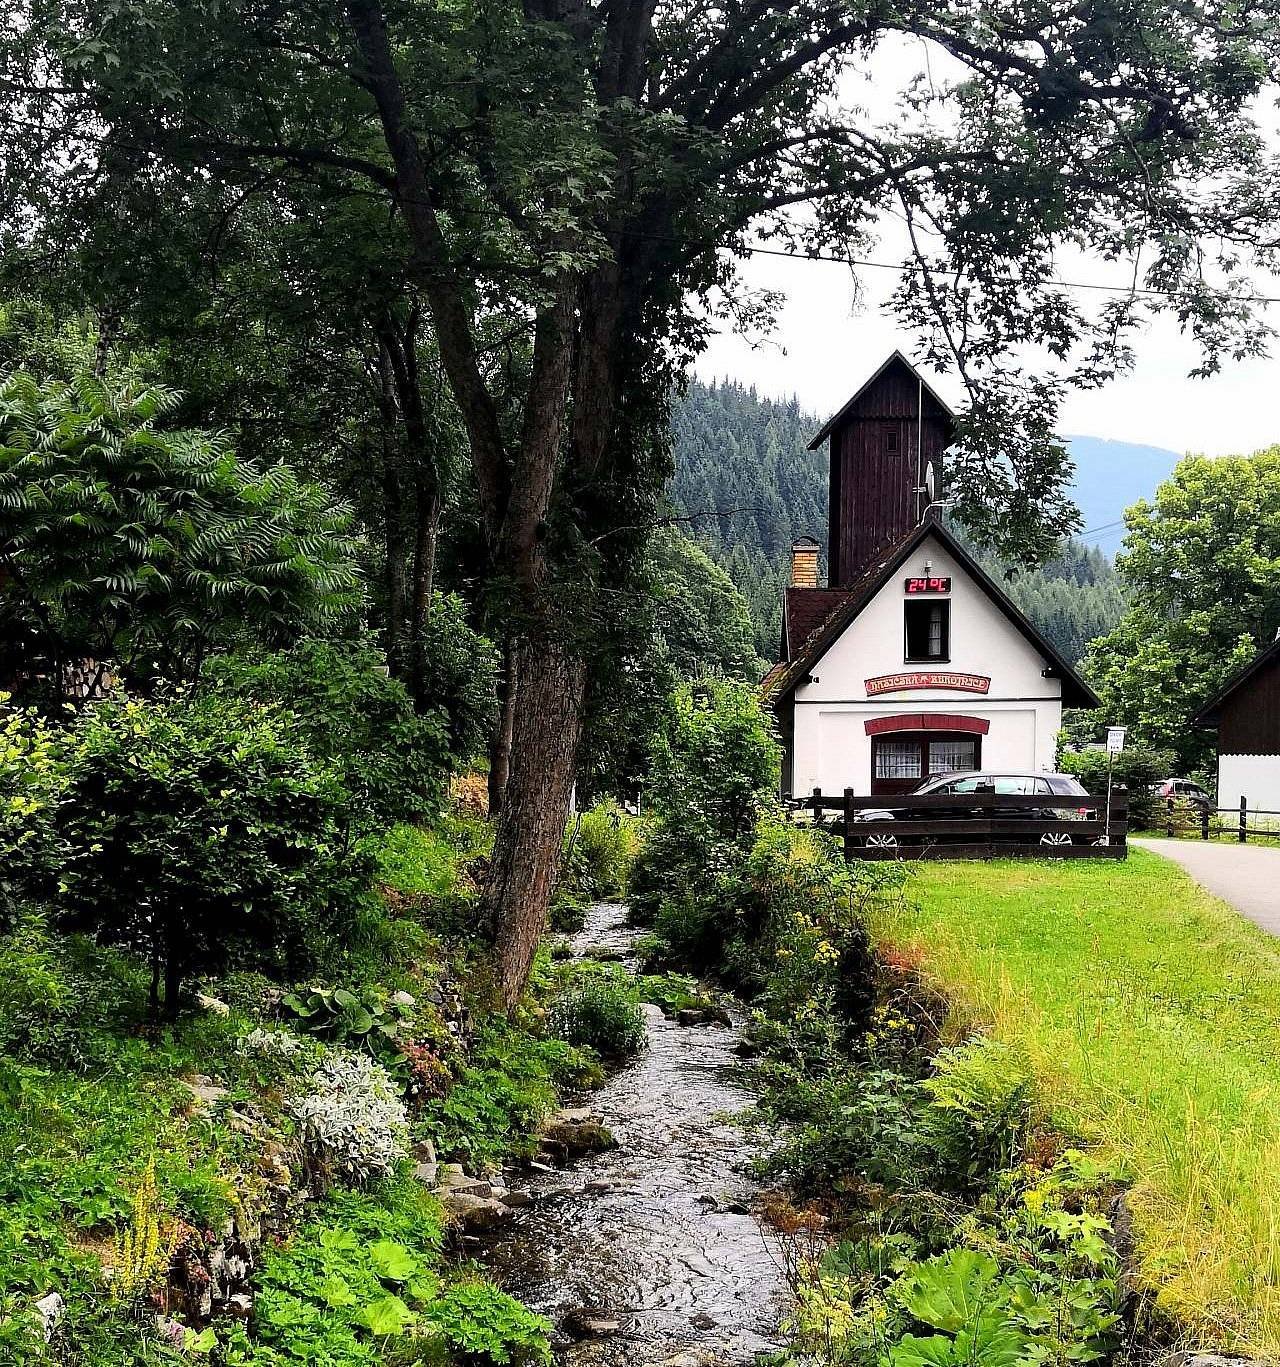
[{"x": 353, "y": 1117}]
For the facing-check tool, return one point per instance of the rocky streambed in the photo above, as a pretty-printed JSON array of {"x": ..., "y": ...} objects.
[{"x": 649, "y": 1254}]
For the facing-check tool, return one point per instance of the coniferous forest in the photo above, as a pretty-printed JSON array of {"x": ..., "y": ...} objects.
[{"x": 750, "y": 486}]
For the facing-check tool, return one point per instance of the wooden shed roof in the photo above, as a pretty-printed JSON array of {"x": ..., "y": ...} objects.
[{"x": 895, "y": 358}]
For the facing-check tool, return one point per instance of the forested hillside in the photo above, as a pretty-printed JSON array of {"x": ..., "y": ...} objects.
[{"x": 743, "y": 457}]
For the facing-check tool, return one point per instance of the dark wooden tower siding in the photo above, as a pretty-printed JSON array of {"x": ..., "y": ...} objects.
[{"x": 882, "y": 441}]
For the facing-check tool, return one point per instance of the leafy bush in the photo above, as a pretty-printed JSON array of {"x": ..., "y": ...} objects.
[
  {"x": 353, "y": 1122},
  {"x": 1136, "y": 768},
  {"x": 715, "y": 768},
  {"x": 145, "y": 548},
  {"x": 459, "y": 674},
  {"x": 601, "y": 1011},
  {"x": 600, "y": 849},
  {"x": 358, "y": 1286},
  {"x": 980, "y": 1110},
  {"x": 202, "y": 833},
  {"x": 394, "y": 763},
  {"x": 32, "y": 776}
]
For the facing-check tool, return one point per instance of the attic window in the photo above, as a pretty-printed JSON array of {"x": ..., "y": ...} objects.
[
  {"x": 891, "y": 439},
  {"x": 928, "y": 630}
]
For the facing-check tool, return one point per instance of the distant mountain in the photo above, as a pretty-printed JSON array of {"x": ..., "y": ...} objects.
[
  {"x": 739, "y": 452},
  {"x": 1110, "y": 475}
]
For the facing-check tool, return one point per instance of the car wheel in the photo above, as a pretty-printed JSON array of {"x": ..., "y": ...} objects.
[
  {"x": 881, "y": 842},
  {"x": 1055, "y": 838}
]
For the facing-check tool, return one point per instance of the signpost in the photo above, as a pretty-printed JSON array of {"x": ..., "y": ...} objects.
[{"x": 1115, "y": 745}]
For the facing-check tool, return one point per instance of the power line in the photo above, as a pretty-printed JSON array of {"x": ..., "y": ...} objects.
[{"x": 838, "y": 260}]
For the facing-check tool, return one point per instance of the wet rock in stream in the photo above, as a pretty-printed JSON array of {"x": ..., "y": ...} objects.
[{"x": 648, "y": 1254}]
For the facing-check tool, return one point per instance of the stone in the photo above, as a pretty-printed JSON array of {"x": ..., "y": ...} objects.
[
  {"x": 517, "y": 1197},
  {"x": 50, "y": 1309},
  {"x": 475, "y": 1213},
  {"x": 427, "y": 1173},
  {"x": 205, "y": 1093},
  {"x": 586, "y": 1323},
  {"x": 214, "y": 1004},
  {"x": 702, "y": 1321},
  {"x": 425, "y": 1151},
  {"x": 575, "y": 1131},
  {"x": 691, "y": 1015},
  {"x": 600, "y": 1185},
  {"x": 404, "y": 999}
]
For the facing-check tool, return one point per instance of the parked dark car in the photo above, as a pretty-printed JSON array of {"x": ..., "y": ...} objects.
[
  {"x": 1183, "y": 789},
  {"x": 985, "y": 781}
]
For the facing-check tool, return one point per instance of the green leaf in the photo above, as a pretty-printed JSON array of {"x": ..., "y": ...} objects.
[
  {"x": 335, "y": 1291},
  {"x": 387, "y": 1316},
  {"x": 392, "y": 1262},
  {"x": 950, "y": 1291}
]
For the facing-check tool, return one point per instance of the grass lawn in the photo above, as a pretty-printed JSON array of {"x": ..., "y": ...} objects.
[{"x": 1151, "y": 1012}]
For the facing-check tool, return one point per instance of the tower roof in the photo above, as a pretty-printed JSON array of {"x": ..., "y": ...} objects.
[{"x": 895, "y": 359}]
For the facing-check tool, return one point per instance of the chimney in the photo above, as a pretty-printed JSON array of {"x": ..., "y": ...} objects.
[{"x": 804, "y": 563}]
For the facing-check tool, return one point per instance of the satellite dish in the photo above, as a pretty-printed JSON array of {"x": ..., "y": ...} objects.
[{"x": 929, "y": 481}]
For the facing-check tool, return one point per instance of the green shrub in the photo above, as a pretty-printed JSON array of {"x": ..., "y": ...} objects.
[
  {"x": 33, "y": 772},
  {"x": 359, "y": 1286},
  {"x": 600, "y": 849},
  {"x": 459, "y": 674},
  {"x": 715, "y": 768},
  {"x": 1136, "y": 768},
  {"x": 980, "y": 1110},
  {"x": 394, "y": 763},
  {"x": 203, "y": 834},
  {"x": 601, "y": 1011}
]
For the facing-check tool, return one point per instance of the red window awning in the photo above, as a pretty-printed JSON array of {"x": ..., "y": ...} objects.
[{"x": 927, "y": 721}]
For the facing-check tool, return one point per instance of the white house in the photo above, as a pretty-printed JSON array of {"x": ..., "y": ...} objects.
[
  {"x": 913, "y": 661},
  {"x": 1246, "y": 715}
]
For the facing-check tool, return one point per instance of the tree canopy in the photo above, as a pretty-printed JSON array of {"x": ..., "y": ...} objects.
[
  {"x": 1201, "y": 565},
  {"x": 130, "y": 547}
]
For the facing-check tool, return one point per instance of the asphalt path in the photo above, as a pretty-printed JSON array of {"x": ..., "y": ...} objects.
[{"x": 1247, "y": 876}]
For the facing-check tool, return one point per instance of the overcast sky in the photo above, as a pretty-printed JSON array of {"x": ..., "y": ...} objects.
[{"x": 823, "y": 348}]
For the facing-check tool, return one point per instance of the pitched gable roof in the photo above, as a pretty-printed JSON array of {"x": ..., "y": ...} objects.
[
  {"x": 1075, "y": 692},
  {"x": 896, "y": 358},
  {"x": 1208, "y": 714},
  {"x": 803, "y": 611}
]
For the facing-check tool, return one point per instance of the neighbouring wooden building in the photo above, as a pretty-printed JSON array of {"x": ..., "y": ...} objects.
[
  {"x": 910, "y": 661},
  {"x": 1246, "y": 716}
]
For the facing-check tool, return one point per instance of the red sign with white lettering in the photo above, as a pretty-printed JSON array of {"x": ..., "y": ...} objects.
[{"x": 902, "y": 683}]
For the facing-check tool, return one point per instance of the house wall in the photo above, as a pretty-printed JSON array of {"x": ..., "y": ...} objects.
[
  {"x": 830, "y": 747},
  {"x": 1253, "y": 777}
]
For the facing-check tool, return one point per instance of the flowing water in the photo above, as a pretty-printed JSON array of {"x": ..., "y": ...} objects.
[{"x": 655, "y": 1237}]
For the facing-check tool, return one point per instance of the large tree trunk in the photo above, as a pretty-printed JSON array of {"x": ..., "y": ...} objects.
[
  {"x": 530, "y": 835},
  {"x": 500, "y": 742}
]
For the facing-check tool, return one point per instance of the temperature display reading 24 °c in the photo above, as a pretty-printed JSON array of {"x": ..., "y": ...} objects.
[{"x": 935, "y": 583}]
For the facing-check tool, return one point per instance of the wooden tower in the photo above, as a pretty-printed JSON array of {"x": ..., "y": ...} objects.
[{"x": 886, "y": 465}]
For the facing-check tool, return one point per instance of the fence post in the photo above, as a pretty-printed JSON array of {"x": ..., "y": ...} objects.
[
  {"x": 848, "y": 824},
  {"x": 1168, "y": 820},
  {"x": 1244, "y": 819},
  {"x": 1204, "y": 822},
  {"x": 817, "y": 806}
]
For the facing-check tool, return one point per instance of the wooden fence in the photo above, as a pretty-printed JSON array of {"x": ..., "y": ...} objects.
[
  {"x": 976, "y": 825},
  {"x": 1179, "y": 816}
]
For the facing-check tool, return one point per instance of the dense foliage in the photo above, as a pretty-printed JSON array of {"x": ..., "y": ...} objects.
[
  {"x": 201, "y": 832},
  {"x": 392, "y": 761},
  {"x": 129, "y": 547},
  {"x": 1200, "y": 563}
]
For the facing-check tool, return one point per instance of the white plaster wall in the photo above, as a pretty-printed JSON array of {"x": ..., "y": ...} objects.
[
  {"x": 832, "y": 750},
  {"x": 1253, "y": 777}
]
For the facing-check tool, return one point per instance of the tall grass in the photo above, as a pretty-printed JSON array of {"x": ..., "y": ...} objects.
[{"x": 1151, "y": 1014}]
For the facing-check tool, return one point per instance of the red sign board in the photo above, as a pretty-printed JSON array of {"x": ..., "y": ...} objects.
[
  {"x": 902, "y": 683},
  {"x": 934, "y": 583}
]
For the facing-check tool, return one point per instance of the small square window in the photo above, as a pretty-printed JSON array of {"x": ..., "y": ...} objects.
[
  {"x": 928, "y": 630},
  {"x": 891, "y": 439}
]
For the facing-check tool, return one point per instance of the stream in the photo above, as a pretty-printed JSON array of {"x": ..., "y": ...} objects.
[{"x": 648, "y": 1255}]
